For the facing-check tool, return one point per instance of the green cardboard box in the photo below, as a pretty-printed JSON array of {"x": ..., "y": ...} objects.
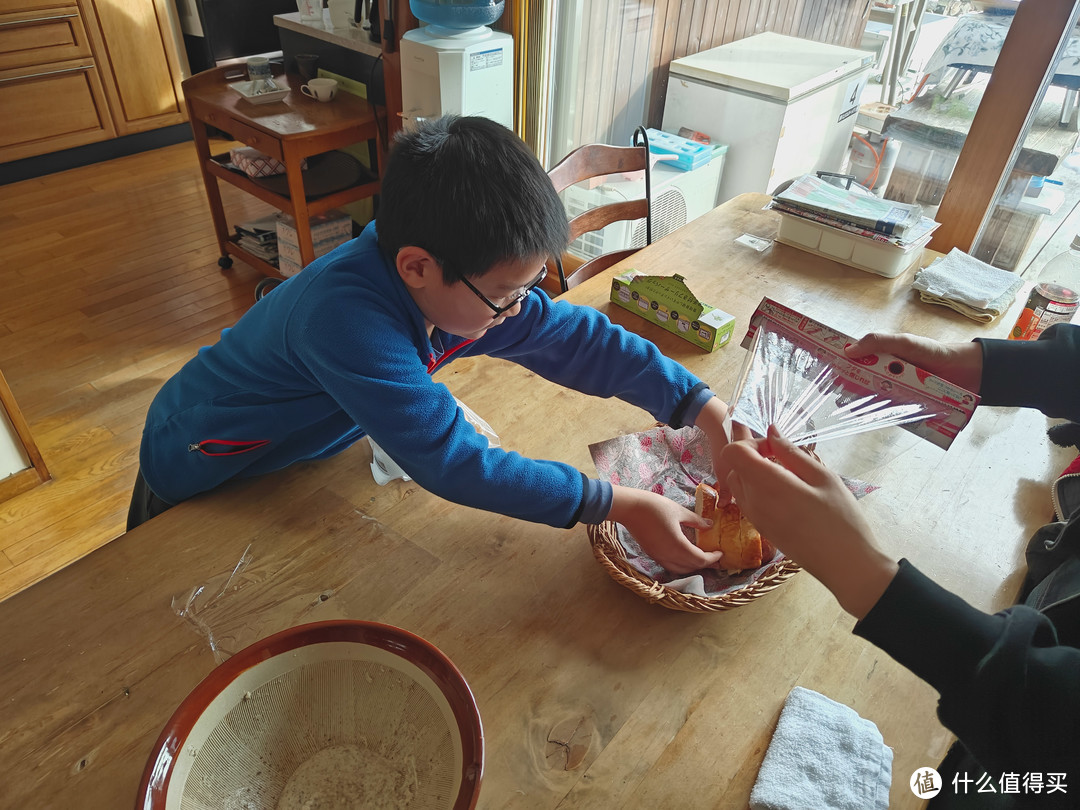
[{"x": 668, "y": 302}]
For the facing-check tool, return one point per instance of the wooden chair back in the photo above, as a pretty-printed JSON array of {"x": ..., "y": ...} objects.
[{"x": 591, "y": 161}]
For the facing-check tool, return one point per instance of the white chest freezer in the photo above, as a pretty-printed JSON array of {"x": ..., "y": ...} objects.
[{"x": 784, "y": 106}]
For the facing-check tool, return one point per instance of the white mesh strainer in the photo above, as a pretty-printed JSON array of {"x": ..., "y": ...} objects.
[{"x": 327, "y": 716}]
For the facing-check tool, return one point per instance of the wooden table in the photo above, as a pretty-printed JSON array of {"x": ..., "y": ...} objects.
[
  {"x": 290, "y": 130},
  {"x": 590, "y": 697}
]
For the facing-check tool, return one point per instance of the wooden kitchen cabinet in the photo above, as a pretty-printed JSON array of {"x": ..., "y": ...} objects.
[
  {"x": 74, "y": 72},
  {"x": 141, "y": 66},
  {"x": 50, "y": 90}
]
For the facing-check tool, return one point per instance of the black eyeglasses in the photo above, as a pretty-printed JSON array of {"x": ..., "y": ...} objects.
[{"x": 517, "y": 298}]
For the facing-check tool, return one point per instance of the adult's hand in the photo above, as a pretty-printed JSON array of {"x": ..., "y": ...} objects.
[
  {"x": 656, "y": 523},
  {"x": 960, "y": 363},
  {"x": 807, "y": 512}
]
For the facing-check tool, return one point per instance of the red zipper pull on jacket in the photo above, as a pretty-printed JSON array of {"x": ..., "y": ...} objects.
[
  {"x": 434, "y": 363},
  {"x": 226, "y": 447}
]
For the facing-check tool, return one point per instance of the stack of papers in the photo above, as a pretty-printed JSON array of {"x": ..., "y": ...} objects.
[
  {"x": 259, "y": 237},
  {"x": 863, "y": 214}
]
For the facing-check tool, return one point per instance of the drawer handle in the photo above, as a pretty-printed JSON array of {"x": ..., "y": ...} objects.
[
  {"x": 46, "y": 73},
  {"x": 39, "y": 19}
]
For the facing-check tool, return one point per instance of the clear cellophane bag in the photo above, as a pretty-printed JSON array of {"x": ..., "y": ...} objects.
[{"x": 796, "y": 376}]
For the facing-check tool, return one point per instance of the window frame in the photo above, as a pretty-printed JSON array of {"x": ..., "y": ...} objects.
[{"x": 1037, "y": 34}]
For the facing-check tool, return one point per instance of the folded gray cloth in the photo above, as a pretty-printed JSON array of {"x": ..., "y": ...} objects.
[
  {"x": 971, "y": 287},
  {"x": 825, "y": 756}
]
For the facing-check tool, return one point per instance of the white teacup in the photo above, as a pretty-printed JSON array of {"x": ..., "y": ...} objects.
[{"x": 320, "y": 89}]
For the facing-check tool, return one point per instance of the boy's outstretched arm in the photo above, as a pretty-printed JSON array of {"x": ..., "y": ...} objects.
[
  {"x": 656, "y": 523},
  {"x": 712, "y": 421}
]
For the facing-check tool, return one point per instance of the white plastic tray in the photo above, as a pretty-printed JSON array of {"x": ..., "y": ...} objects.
[
  {"x": 245, "y": 89},
  {"x": 882, "y": 258}
]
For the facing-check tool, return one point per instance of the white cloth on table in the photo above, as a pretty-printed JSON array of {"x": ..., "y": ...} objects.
[
  {"x": 823, "y": 755},
  {"x": 971, "y": 287}
]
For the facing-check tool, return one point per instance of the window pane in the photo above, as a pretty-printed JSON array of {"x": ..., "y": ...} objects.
[
  {"x": 1033, "y": 218},
  {"x": 934, "y": 124}
]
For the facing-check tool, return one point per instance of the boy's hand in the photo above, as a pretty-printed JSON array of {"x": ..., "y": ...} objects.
[
  {"x": 960, "y": 363},
  {"x": 713, "y": 422},
  {"x": 808, "y": 512},
  {"x": 656, "y": 523}
]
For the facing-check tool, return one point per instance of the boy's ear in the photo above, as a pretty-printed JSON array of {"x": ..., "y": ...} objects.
[{"x": 417, "y": 267}]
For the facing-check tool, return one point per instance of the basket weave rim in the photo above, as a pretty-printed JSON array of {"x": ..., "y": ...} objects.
[{"x": 611, "y": 555}]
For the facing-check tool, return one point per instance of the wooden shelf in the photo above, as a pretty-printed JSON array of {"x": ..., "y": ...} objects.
[
  {"x": 365, "y": 185},
  {"x": 292, "y": 130},
  {"x": 233, "y": 248}
]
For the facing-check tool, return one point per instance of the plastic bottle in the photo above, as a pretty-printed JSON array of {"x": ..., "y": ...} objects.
[
  {"x": 1055, "y": 296},
  {"x": 872, "y": 159},
  {"x": 456, "y": 14},
  {"x": 341, "y": 13},
  {"x": 310, "y": 10}
]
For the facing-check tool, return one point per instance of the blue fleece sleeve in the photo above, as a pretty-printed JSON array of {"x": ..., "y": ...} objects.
[
  {"x": 580, "y": 348},
  {"x": 362, "y": 355},
  {"x": 596, "y": 501}
]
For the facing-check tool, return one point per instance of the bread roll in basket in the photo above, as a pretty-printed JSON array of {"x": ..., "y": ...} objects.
[{"x": 671, "y": 462}]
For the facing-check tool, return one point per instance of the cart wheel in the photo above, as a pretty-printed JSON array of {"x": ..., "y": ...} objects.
[
  {"x": 265, "y": 286},
  {"x": 225, "y": 262}
]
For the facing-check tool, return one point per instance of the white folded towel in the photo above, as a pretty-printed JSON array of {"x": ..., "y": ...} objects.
[
  {"x": 971, "y": 287},
  {"x": 825, "y": 756}
]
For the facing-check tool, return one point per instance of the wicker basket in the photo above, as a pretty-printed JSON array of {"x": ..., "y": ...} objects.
[{"x": 612, "y": 556}]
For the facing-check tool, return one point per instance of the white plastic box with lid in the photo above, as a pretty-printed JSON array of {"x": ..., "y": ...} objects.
[
  {"x": 327, "y": 232},
  {"x": 862, "y": 252},
  {"x": 784, "y": 106}
]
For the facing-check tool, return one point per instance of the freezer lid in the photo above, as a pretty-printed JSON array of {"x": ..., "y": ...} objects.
[{"x": 772, "y": 65}]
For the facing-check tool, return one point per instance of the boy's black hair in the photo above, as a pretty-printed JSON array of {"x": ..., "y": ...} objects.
[{"x": 471, "y": 193}]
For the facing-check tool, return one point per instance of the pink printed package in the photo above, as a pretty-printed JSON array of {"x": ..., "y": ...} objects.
[{"x": 797, "y": 377}]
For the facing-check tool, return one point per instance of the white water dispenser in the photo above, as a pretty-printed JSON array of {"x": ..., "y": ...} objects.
[{"x": 456, "y": 63}]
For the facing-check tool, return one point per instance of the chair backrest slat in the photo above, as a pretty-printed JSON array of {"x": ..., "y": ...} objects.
[
  {"x": 586, "y": 163},
  {"x": 596, "y": 218}
]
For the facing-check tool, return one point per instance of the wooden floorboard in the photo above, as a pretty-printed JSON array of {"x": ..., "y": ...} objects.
[{"x": 109, "y": 285}]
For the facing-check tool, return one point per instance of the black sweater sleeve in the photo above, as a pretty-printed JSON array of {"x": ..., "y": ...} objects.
[
  {"x": 1007, "y": 689},
  {"x": 1042, "y": 374}
]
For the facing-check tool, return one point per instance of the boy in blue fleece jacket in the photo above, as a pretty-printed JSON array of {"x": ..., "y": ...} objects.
[{"x": 467, "y": 218}]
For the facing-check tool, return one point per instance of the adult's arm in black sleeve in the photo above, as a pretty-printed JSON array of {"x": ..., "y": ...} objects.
[
  {"x": 1042, "y": 374},
  {"x": 1007, "y": 689}
]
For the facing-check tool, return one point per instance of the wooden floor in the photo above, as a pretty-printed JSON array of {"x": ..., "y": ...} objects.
[{"x": 108, "y": 284}]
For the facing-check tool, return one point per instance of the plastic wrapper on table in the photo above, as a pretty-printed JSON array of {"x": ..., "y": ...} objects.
[{"x": 288, "y": 577}]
